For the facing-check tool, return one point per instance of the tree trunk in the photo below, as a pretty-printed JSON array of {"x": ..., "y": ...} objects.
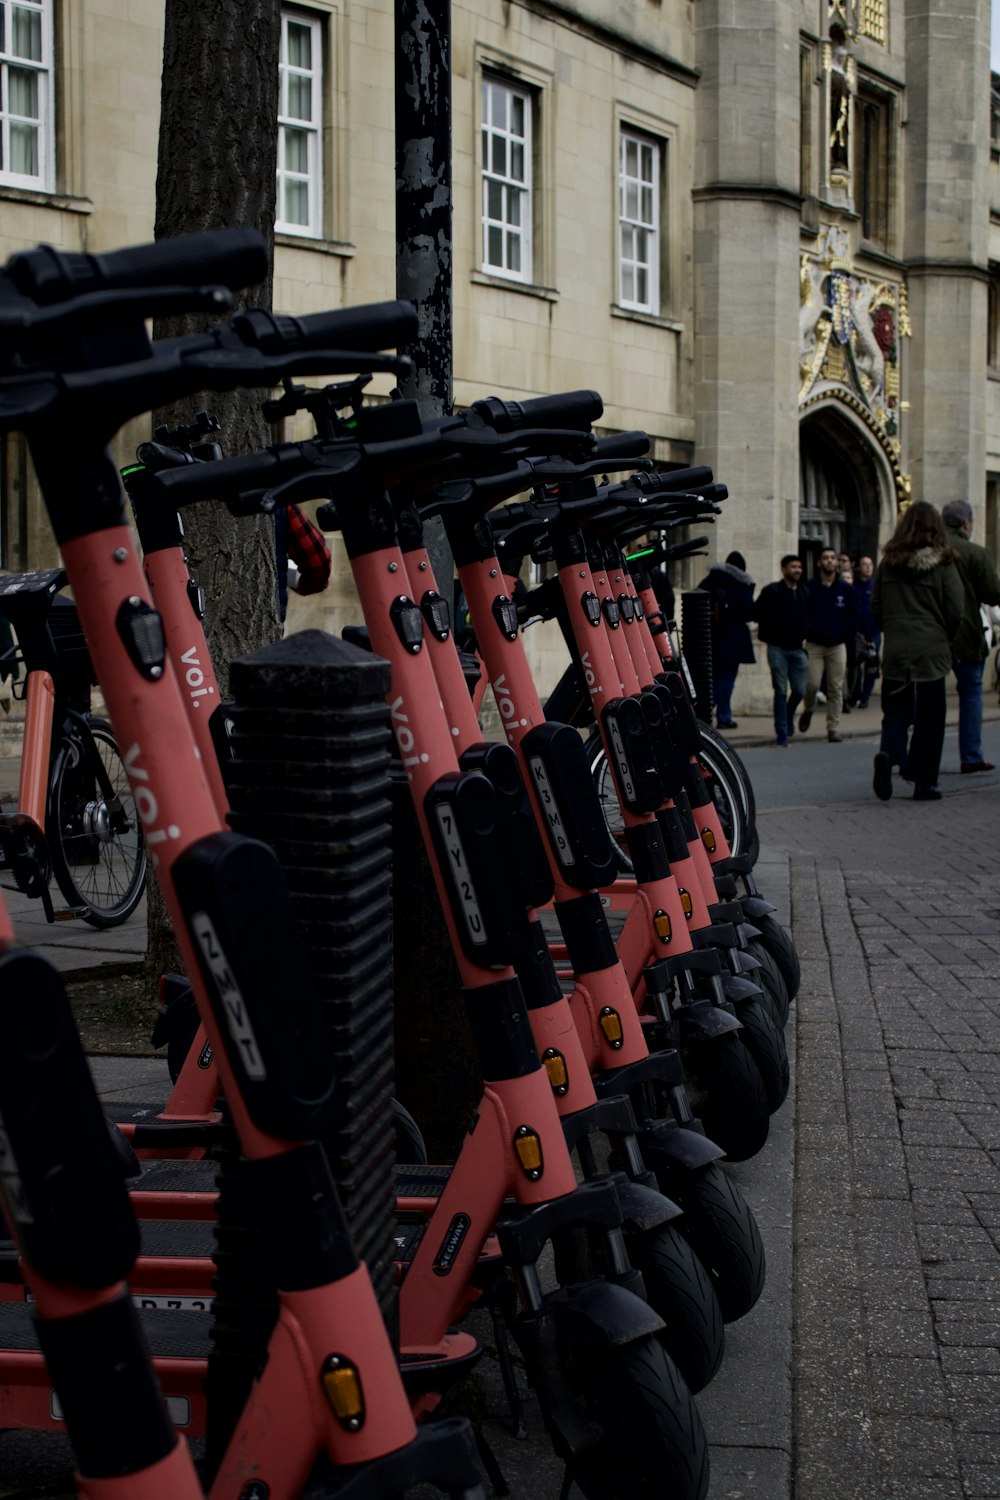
[{"x": 216, "y": 169}]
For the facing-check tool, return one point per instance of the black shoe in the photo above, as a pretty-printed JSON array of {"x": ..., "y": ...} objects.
[
  {"x": 927, "y": 794},
  {"x": 805, "y": 719},
  {"x": 882, "y": 779},
  {"x": 726, "y": 724}
]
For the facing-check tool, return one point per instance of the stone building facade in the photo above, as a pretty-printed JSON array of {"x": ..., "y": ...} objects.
[{"x": 768, "y": 233}]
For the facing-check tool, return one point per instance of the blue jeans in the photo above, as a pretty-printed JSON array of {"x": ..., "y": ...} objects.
[
  {"x": 969, "y": 679},
  {"x": 787, "y": 668}
]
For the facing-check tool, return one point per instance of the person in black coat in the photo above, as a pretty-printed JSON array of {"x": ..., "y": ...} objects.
[{"x": 730, "y": 588}]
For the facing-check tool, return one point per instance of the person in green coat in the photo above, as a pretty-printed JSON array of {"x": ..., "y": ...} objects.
[
  {"x": 917, "y": 602},
  {"x": 969, "y": 652}
]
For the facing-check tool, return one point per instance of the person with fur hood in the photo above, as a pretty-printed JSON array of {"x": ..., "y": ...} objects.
[
  {"x": 918, "y": 603},
  {"x": 730, "y": 589}
]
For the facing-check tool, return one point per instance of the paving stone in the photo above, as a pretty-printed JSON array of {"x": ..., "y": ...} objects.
[
  {"x": 903, "y": 1386},
  {"x": 981, "y": 1482},
  {"x": 899, "y": 1331},
  {"x": 917, "y": 1445}
]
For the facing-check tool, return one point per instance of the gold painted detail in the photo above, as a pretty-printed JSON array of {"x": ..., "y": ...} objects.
[
  {"x": 872, "y": 19},
  {"x": 835, "y": 365},
  {"x": 905, "y": 326}
]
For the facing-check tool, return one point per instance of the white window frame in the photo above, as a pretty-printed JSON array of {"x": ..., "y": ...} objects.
[
  {"x": 313, "y": 175},
  {"x": 44, "y": 180},
  {"x": 512, "y": 188},
  {"x": 631, "y": 225}
]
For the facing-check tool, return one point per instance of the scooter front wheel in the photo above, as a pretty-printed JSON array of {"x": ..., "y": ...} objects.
[
  {"x": 765, "y": 1041},
  {"x": 779, "y": 945},
  {"x": 727, "y": 1093},
  {"x": 679, "y": 1288},
  {"x": 771, "y": 981},
  {"x": 652, "y": 1443},
  {"x": 719, "y": 1225}
]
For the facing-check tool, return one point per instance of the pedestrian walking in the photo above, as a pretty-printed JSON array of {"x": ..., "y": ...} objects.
[
  {"x": 780, "y": 612},
  {"x": 730, "y": 589},
  {"x": 918, "y": 600},
  {"x": 831, "y": 619},
  {"x": 868, "y": 632},
  {"x": 969, "y": 651}
]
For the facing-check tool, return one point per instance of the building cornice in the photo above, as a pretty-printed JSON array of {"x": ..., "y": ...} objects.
[
  {"x": 610, "y": 36},
  {"x": 963, "y": 269},
  {"x": 756, "y": 192}
]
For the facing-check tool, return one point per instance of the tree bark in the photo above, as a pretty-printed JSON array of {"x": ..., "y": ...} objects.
[{"x": 216, "y": 169}]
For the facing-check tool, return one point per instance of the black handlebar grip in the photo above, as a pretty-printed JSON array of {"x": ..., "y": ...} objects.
[
  {"x": 665, "y": 480},
  {"x": 217, "y": 481},
  {"x": 571, "y": 409},
  {"x": 230, "y": 257},
  {"x": 376, "y": 325},
  {"x": 623, "y": 445}
]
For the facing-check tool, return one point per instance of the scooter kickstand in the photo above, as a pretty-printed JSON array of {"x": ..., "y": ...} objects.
[{"x": 508, "y": 1374}]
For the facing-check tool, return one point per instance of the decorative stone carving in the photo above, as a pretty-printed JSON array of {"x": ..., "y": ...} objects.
[{"x": 850, "y": 327}]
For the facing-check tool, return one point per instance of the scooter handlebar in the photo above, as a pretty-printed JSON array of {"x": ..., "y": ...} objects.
[
  {"x": 228, "y": 257},
  {"x": 569, "y": 409},
  {"x": 373, "y": 326}
]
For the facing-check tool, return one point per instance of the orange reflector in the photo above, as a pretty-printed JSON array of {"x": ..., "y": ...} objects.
[
  {"x": 342, "y": 1385},
  {"x": 529, "y": 1150},
  {"x": 687, "y": 906},
  {"x": 708, "y": 839},
  {"x": 661, "y": 922},
  {"x": 555, "y": 1067},
  {"x": 611, "y": 1024}
]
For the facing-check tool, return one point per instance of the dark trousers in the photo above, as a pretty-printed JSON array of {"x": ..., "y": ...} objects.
[{"x": 921, "y": 704}]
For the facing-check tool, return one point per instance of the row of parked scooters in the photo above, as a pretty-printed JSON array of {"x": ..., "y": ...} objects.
[{"x": 271, "y": 1265}]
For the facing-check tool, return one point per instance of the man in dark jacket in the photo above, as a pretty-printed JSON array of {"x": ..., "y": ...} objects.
[
  {"x": 969, "y": 652},
  {"x": 780, "y": 612},
  {"x": 730, "y": 588},
  {"x": 831, "y": 617}
]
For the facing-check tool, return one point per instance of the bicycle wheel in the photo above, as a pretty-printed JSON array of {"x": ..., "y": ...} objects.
[
  {"x": 771, "y": 981},
  {"x": 650, "y": 1442},
  {"x": 98, "y": 855},
  {"x": 779, "y": 945},
  {"x": 679, "y": 1288},
  {"x": 728, "y": 783},
  {"x": 727, "y": 1093},
  {"x": 604, "y": 781},
  {"x": 719, "y": 1225},
  {"x": 765, "y": 1042}
]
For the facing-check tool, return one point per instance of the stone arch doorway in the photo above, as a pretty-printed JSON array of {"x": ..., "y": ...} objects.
[{"x": 842, "y": 490}]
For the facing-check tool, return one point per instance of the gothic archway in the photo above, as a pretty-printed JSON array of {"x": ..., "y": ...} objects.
[{"x": 844, "y": 490}]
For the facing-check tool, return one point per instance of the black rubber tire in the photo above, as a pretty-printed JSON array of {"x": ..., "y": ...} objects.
[
  {"x": 604, "y": 781},
  {"x": 411, "y": 1148},
  {"x": 653, "y": 1444},
  {"x": 729, "y": 791},
  {"x": 777, "y": 940},
  {"x": 719, "y": 1225},
  {"x": 732, "y": 791},
  {"x": 771, "y": 981},
  {"x": 727, "y": 1093},
  {"x": 679, "y": 1288},
  {"x": 765, "y": 1041},
  {"x": 104, "y": 874}
]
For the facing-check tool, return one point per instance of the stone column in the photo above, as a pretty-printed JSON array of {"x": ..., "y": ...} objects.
[
  {"x": 747, "y": 209},
  {"x": 746, "y": 213},
  {"x": 946, "y": 245}
]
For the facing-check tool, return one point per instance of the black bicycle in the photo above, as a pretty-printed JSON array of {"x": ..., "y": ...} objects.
[{"x": 76, "y": 817}]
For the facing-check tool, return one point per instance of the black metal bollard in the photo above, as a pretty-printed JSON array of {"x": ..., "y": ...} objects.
[
  {"x": 696, "y": 643},
  {"x": 309, "y": 774}
]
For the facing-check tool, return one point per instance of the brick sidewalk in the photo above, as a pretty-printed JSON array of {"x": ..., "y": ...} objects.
[{"x": 897, "y": 1242}]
